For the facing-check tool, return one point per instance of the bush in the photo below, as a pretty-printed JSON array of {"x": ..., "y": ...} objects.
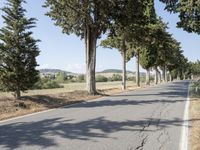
[
  {"x": 60, "y": 77},
  {"x": 46, "y": 83},
  {"x": 116, "y": 77},
  {"x": 100, "y": 78},
  {"x": 81, "y": 78},
  {"x": 132, "y": 78}
]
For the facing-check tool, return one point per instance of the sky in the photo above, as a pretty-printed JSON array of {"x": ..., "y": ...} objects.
[{"x": 66, "y": 52}]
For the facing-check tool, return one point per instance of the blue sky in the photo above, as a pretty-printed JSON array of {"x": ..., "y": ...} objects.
[{"x": 67, "y": 52}]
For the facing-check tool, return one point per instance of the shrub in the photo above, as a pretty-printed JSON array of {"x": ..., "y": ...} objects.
[
  {"x": 100, "y": 78},
  {"x": 60, "y": 77},
  {"x": 132, "y": 78},
  {"x": 81, "y": 78},
  {"x": 46, "y": 83},
  {"x": 116, "y": 77}
]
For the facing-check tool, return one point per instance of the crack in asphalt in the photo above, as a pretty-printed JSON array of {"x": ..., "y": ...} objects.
[
  {"x": 163, "y": 137},
  {"x": 164, "y": 141},
  {"x": 143, "y": 142}
]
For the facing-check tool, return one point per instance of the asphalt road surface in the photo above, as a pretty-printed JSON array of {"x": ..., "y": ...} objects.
[{"x": 147, "y": 119}]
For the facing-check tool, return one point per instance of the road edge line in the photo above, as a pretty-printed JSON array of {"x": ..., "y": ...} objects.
[{"x": 185, "y": 126}]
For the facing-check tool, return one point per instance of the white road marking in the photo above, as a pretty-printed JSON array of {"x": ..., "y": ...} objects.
[{"x": 185, "y": 128}]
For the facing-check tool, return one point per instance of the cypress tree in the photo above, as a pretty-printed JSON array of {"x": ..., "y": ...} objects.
[{"x": 18, "y": 50}]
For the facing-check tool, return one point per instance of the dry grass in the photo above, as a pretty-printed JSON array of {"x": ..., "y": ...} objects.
[
  {"x": 38, "y": 100},
  {"x": 71, "y": 87},
  {"x": 108, "y": 75},
  {"x": 195, "y": 130}
]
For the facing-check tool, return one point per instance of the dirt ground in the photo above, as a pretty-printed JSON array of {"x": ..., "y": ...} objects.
[
  {"x": 9, "y": 107},
  {"x": 195, "y": 124}
]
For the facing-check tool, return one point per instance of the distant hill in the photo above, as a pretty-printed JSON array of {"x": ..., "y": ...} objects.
[
  {"x": 54, "y": 71},
  {"x": 107, "y": 72},
  {"x": 113, "y": 71},
  {"x": 110, "y": 72}
]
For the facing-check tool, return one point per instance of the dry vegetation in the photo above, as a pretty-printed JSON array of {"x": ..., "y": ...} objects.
[
  {"x": 108, "y": 75},
  {"x": 38, "y": 100},
  {"x": 195, "y": 123},
  {"x": 70, "y": 87},
  {"x": 195, "y": 115}
]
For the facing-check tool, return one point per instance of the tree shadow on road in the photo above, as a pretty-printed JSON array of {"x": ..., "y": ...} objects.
[
  {"x": 123, "y": 102},
  {"x": 43, "y": 133}
]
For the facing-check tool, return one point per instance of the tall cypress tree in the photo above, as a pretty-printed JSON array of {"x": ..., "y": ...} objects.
[{"x": 18, "y": 50}]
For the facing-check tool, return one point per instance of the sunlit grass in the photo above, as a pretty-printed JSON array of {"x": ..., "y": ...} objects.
[{"x": 72, "y": 87}]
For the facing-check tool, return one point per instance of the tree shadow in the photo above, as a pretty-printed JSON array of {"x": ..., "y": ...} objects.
[
  {"x": 49, "y": 101},
  {"x": 176, "y": 89},
  {"x": 43, "y": 133},
  {"x": 122, "y": 102}
]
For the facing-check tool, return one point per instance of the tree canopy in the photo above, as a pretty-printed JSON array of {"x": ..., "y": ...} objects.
[{"x": 189, "y": 13}]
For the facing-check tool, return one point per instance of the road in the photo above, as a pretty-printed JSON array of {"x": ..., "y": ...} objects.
[{"x": 146, "y": 119}]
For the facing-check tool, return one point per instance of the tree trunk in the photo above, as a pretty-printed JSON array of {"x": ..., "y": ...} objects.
[
  {"x": 156, "y": 76},
  {"x": 124, "y": 66},
  {"x": 124, "y": 69},
  {"x": 192, "y": 77},
  {"x": 178, "y": 77},
  {"x": 148, "y": 77},
  {"x": 17, "y": 94},
  {"x": 166, "y": 77},
  {"x": 170, "y": 77},
  {"x": 138, "y": 69},
  {"x": 91, "y": 61},
  {"x": 184, "y": 77},
  {"x": 163, "y": 74},
  {"x": 159, "y": 76}
]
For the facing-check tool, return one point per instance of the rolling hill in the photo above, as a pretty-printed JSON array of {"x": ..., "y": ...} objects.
[
  {"x": 114, "y": 71},
  {"x": 54, "y": 71}
]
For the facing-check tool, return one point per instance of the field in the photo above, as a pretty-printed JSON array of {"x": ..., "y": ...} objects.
[
  {"x": 71, "y": 87},
  {"x": 108, "y": 75}
]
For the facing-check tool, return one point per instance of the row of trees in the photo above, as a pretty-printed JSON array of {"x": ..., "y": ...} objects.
[{"x": 132, "y": 27}]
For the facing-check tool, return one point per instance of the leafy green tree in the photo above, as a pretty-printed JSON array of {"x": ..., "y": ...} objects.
[
  {"x": 81, "y": 78},
  {"x": 143, "y": 39},
  {"x": 159, "y": 41},
  {"x": 189, "y": 13},
  {"x": 128, "y": 30},
  {"x": 87, "y": 19},
  {"x": 147, "y": 59},
  {"x": 174, "y": 61},
  {"x": 60, "y": 77},
  {"x": 143, "y": 49},
  {"x": 120, "y": 44},
  {"x": 18, "y": 50},
  {"x": 116, "y": 77},
  {"x": 195, "y": 68}
]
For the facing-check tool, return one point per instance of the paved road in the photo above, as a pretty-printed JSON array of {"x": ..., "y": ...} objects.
[{"x": 148, "y": 119}]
